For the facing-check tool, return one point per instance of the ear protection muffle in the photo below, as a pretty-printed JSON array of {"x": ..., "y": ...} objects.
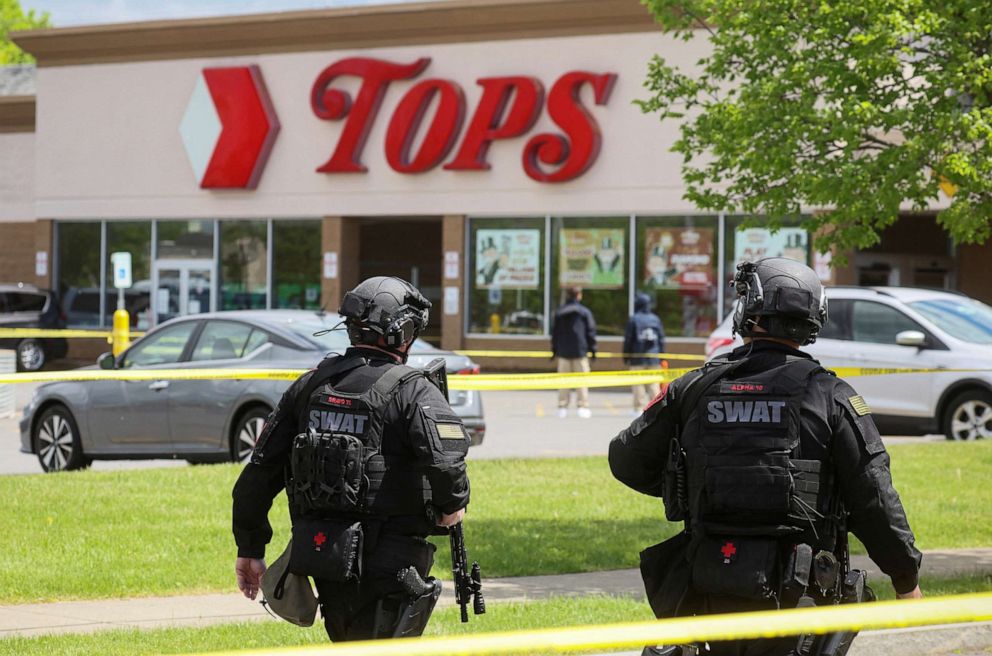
[{"x": 750, "y": 296}]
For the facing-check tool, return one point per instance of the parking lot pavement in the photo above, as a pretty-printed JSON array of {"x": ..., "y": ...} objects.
[{"x": 518, "y": 425}]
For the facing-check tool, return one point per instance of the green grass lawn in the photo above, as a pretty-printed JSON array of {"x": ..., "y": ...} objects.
[
  {"x": 167, "y": 531},
  {"x": 259, "y": 635},
  {"x": 557, "y": 612}
]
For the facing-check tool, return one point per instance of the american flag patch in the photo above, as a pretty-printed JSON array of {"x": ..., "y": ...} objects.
[
  {"x": 859, "y": 405},
  {"x": 450, "y": 431}
]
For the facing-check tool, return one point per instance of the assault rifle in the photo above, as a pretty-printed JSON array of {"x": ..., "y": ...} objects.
[{"x": 468, "y": 581}]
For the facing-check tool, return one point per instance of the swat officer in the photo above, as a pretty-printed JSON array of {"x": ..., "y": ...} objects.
[
  {"x": 373, "y": 459},
  {"x": 769, "y": 459}
]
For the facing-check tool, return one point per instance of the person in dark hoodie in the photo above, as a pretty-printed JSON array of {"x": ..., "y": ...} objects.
[
  {"x": 644, "y": 335},
  {"x": 573, "y": 338}
]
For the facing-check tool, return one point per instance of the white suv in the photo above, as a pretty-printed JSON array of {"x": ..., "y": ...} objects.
[{"x": 900, "y": 327}]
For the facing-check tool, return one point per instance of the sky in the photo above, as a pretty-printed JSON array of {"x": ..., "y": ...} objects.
[{"x": 65, "y": 13}]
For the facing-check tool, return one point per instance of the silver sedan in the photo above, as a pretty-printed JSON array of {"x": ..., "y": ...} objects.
[{"x": 70, "y": 424}]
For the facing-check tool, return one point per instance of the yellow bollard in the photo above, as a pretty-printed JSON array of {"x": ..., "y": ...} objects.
[
  {"x": 121, "y": 333},
  {"x": 494, "y": 323}
]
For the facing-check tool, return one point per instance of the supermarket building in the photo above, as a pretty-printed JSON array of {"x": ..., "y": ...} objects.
[{"x": 488, "y": 150}]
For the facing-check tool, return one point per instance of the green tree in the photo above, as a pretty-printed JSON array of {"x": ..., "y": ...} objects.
[
  {"x": 858, "y": 107},
  {"x": 12, "y": 19}
]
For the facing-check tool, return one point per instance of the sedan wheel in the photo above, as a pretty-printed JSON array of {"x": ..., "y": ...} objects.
[
  {"x": 30, "y": 355},
  {"x": 969, "y": 417},
  {"x": 57, "y": 443},
  {"x": 246, "y": 433}
]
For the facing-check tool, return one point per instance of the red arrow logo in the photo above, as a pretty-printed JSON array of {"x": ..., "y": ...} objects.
[{"x": 229, "y": 127}]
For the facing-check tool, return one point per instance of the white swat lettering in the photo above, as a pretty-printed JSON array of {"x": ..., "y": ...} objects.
[
  {"x": 332, "y": 422},
  {"x": 735, "y": 412},
  {"x": 715, "y": 409},
  {"x": 738, "y": 411}
]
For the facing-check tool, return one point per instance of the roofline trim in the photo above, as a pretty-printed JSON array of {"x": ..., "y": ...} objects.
[
  {"x": 17, "y": 114},
  {"x": 419, "y": 23}
]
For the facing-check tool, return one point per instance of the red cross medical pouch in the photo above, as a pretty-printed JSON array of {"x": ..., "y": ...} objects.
[
  {"x": 327, "y": 549},
  {"x": 745, "y": 567}
]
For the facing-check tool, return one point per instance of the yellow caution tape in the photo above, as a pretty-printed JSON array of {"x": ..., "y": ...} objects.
[
  {"x": 522, "y": 382},
  {"x": 80, "y": 375},
  {"x": 601, "y": 354},
  {"x": 21, "y": 333},
  {"x": 958, "y": 609},
  {"x": 479, "y": 382}
]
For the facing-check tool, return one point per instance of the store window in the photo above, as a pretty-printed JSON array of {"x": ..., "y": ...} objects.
[
  {"x": 677, "y": 265},
  {"x": 592, "y": 253},
  {"x": 134, "y": 237},
  {"x": 186, "y": 240},
  {"x": 79, "y": 272},
  {"x": 506, "y": 269},
  {"x": 296, "y": 264},
  {"x": 243, "y": 266},
  {"x": 757, "y": 241}
]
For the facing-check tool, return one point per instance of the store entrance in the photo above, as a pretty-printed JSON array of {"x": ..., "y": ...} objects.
[
  {"x": 409, "y": 248},
  {"x": 182, "y": 287}
]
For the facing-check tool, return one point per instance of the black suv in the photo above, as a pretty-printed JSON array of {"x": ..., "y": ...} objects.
[{"x": 26, "y": 306}]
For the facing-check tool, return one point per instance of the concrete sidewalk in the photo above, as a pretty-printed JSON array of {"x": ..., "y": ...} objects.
[{"x": 200, "y": 610}]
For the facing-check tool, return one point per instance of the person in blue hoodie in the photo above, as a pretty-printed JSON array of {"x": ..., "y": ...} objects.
[
  {"x": 573, "y": 336},
  {"x": 646, "y": 335}
]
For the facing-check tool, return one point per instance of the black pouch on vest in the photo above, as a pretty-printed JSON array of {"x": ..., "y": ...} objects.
[
  {"x": 327, "y": 549},
  {"x": 665, "y": 571},
  {"x": 738, "y": 566}
]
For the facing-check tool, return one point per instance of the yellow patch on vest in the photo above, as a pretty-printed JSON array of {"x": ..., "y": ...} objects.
[
  {"x": 859, "y": 405},
  {"x": 450, "y": 431}
]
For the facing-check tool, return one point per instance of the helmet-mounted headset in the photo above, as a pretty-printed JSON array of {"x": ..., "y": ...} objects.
[
  {"x": 387, "y": 308},
  {"x": 784, "y": 295}
]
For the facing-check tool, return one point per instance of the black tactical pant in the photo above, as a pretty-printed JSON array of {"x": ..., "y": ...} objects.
[
  {"x": 758, "y": 647},
  {"x": 713, "y": 605},
  {"x": 349, "y": 609}
]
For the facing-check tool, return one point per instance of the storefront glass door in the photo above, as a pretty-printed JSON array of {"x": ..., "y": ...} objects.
[{"x": 182, "y": 287}]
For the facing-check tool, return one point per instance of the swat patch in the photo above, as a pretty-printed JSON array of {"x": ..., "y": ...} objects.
[
  {"x": 744, "y": 412},
  {"x": 450, "y": 431},
  {"x": 324, "y": 421},
  {"x": 859, "y": 405}
]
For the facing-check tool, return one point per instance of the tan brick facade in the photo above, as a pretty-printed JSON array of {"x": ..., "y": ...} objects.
[
  {"x": 339, "y": 238},
  {"x": 453, "y": 240},
  {"x": 19, "y": 244}
]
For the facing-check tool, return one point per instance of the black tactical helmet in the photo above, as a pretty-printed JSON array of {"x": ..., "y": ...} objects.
[
  {"x": 385, "y": 307},
  {"x": 784, "y": 295}
]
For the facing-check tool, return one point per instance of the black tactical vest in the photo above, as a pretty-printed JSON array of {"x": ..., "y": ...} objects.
[
  {"x": 336, "y": 465},
  {"x": 744, "y": 471}
]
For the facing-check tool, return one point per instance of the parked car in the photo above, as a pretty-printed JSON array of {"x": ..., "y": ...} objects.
[
  {"x": 902, "y": 327},
  {"x": 26, "y": 306},
  {"x": 70, "y": 424}
]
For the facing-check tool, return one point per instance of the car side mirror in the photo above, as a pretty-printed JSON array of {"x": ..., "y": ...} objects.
[
  {"x": 106, "y": 361},
  {"x": 911, "y": 338}
]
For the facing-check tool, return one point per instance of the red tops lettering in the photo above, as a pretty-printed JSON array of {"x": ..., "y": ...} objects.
[{"x": 508, "y": 108}]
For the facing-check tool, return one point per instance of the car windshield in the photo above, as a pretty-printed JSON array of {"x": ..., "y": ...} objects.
[
  {"x": 334, "y": 341},
  {"x": 965, "y": 319},
  {"x": 337, "y": 340}
]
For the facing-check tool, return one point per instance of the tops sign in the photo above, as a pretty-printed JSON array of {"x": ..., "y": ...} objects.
[
  {"x": 230, "y": 126},
  {"x": 509, "y": 107}
]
